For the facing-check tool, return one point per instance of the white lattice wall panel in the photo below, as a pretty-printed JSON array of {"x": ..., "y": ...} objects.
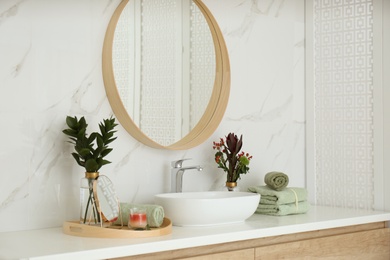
[
  {"x": 202, "y": 64},
  {"x": 343, "y": 56},
  {"x": 122, "y": 50},
  {"x": 158, "y": 71}
]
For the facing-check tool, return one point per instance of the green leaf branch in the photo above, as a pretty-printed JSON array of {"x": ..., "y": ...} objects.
[{"x": 89, "y": 151}]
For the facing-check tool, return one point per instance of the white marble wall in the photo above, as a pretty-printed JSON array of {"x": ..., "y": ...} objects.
[{"x": 50, "y": 67}]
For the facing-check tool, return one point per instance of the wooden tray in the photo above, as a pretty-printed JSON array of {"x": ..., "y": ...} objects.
[{"x": 74, "y": 228}]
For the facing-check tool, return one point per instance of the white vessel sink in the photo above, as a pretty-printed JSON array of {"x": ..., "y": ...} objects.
[{"x": 208, "y": 208}]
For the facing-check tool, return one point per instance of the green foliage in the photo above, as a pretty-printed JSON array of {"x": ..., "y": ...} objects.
[{"x": 86, "y": 155}]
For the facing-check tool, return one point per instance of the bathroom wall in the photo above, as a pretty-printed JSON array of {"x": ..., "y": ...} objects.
[
  {"x": 50, "y": 67},
  {"x": 344, "y": 103},
  {"x": 346, "y": 110}
]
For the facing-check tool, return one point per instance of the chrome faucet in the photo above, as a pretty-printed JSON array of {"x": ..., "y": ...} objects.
[{"x": 177, "y": 172}]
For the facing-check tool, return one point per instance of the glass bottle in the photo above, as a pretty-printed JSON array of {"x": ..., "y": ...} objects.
[{"x": 88, "y": 209}]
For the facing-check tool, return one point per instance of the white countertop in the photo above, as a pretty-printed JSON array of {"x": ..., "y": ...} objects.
[{"x": 51, "y": 243}]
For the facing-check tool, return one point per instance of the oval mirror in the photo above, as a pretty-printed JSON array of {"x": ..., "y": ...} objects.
[
  {"x": 166, "y": 71},
  {"x": 106, "y": 199}
]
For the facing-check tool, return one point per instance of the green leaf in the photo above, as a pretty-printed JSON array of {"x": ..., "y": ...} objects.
[
  {"x": 82, "y": 132},
  {"x": 111, "y": 123},
  {"x": 99, "y": 140},
  {"x": 106, "y": 151},
  {"x": 108, "y": 135},
  {"x": 72, "y": 141},
  {"x": 91, "y": 165},
  {"x": 83, "y": 123},
  {"x": 92, "y": 137},
  {"x": 70, "y": 132},
  {"x": 102, "y": 129},
  {"x": 110, "y": 140},
  {"x": 77, "y": 158},
  {"x": 244, "y": 160},
  {"x": 104, "y": 162},
  {"x": 84, "y": 152},
  {"x": 71, "y": 122},
  {"x": 97, "y": 151}
]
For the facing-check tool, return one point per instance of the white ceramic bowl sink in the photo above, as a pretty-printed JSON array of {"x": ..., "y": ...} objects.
[{"x": 207, "y": 208}]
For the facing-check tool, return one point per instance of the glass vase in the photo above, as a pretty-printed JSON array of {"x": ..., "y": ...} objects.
[{"x": 88, "y": 209}]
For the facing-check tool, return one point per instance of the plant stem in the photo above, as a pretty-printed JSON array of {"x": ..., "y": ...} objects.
[
  {"x": 96, "y": 216},
  {"x": 86, "y": 208}
]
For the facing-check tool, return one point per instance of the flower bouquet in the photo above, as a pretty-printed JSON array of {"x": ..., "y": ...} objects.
[{"x": 230, "y": 159}]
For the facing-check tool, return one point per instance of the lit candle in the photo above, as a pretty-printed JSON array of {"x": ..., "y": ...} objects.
[{"x": 137, "y": 219}]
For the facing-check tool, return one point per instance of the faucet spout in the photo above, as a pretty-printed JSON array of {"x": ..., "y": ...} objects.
[{"x": 177, "y": 172}]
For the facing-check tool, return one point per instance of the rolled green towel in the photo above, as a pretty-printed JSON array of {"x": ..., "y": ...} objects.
[
  {"x": 273, "y": 197},
  {"x": 285, "y": 209},
  {"x": 154, "y": 214},
  {"x": 276, "y": 180}
]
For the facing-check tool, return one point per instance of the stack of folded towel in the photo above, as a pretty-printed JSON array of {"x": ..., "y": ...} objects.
[
  {"x": 278, "y": 199},
  {"x": 154, "y": 214}
]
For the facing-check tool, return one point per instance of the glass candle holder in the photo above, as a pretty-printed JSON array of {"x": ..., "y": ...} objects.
[{"x": 137, "y": 219}]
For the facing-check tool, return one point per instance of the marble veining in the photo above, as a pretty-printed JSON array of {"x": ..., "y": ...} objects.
[
  {"x": 19, "y": 66},
  {"x": 256, "y": 8},
  {"x": 10, "y": 11},
  {"x": 269, "y": 116},
  {"x": 13, "y": 196},
  {"x": 51, "y": 68},
  {"x": 86, "y": 86}
]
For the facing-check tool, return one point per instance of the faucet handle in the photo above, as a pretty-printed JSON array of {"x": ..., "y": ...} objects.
[{"x": 178, "y": 163}]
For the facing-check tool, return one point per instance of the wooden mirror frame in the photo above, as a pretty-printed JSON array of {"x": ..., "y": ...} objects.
[{"x": 215, "y": 109}]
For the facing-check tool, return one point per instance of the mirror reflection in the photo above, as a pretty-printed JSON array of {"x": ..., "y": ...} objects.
[
  {"x": 106, "y": 198},
  {"x": 164, "y": 65}
]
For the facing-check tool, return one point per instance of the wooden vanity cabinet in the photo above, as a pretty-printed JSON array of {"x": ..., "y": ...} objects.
[
  {"x": 367, "y": 241},
  {"x": 368, "y": 244}
]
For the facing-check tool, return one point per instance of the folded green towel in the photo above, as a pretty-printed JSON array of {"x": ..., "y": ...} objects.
[
  {"x": 276, "y": 180},
  {"x": 285, "y": 209},
  {"x": 154, "y": 213},
  {"x": 273, "y": 197}
]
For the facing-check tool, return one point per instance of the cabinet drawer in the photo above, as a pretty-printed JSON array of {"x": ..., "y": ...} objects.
[
  {"x": 246, "y": 254},
  {"x": 373, "y": 244}
]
